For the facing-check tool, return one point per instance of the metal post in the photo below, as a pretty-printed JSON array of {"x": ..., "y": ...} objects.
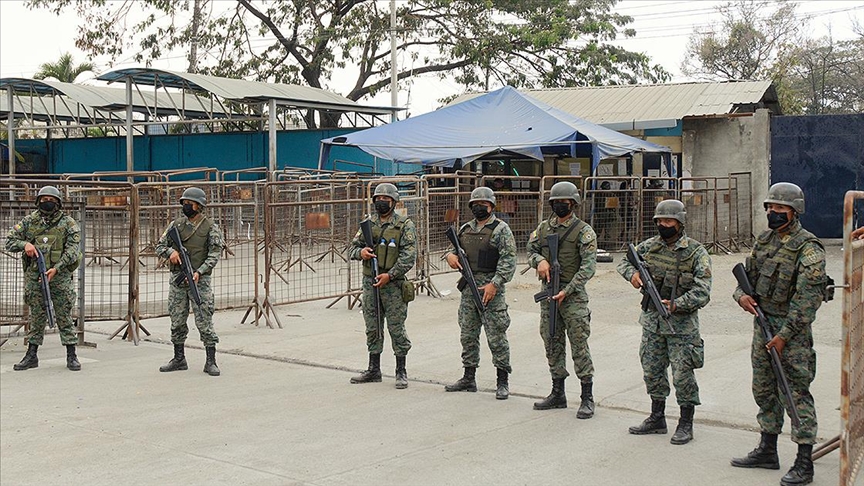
[
  {"x": 394, "y": 90},
  {"x": 272, "y": 126},
  {"x": 130, "y": 153},
  {"x": 10, "y": 130}
]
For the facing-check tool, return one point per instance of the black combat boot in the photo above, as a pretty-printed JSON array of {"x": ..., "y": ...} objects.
[
  {"x": 655, "y": 423},
  {"x": 401, "y": 374},
  {"x": 502, "y": 391},
  {"x": 373, "y": 373},
  {"x": 178, "y": 362},
  {"x": 210, "y": 365},
  {"x": 29, "y": 360},
  {"x": 802, "y": 470},
  {"x": 466, "y": 383},
  {"x": 764, "y": 456},
  {"x": 586, "y": 409},
  {"x": 556, "y": 399},
  {"x": 684, "y": 433},
  {"x": 71, "y": 359}
]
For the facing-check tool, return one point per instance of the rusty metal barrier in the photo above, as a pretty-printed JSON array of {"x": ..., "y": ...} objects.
[
  {"x": 697, "y": 194},
  {"x": 447, "y": 205},
  {"x": 743, "y": 196},
  {"x": 852, "y": 377},
  {"x": 611, "y": 206}
]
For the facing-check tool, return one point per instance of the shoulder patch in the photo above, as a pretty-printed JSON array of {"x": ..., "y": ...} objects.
[
  {"x": 18, "y": 227},
  {"x": 809, "y": 256},
  {"x": 533, "y": 235},
  {"x": 587, "y": 237}
]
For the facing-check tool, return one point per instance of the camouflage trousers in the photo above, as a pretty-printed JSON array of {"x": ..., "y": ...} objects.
[
  {"x": 179, "y": 300},
  {"x": 684, "y": 352},
  {"x": 395, "y": 311},
  {"x": 799, "y": 363},
  {"x": 573, "y": 323},
  {"x": 63, "y": 296},
  {"x": 497, "y": 323}
]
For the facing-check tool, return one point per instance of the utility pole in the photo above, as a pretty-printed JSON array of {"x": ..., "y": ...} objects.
[
  {"x": 193, "y": 45},
  {"x": 394, "y": 80}
]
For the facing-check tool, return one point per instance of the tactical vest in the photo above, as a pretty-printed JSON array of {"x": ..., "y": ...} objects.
[
  {"x": 482, "y": 256},
  {"x": 671, "y": 268},
  {"x": 386, "y": 253},
  {"x": 568, "y": 247},
  {"x": 194, "y": 239},
  {"x": 51, "y": 242},
  {"x": 776, "y": 264}
]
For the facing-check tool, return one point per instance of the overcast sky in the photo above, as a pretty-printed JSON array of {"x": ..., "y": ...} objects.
[{"x": 31, "y": 37}]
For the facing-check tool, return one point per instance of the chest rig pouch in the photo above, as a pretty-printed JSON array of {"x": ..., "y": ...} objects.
[
  {"x": 195, "y": 239},
  {"x": 386, "y": 248},
  {"x": 568, "y": 248},
  {"x": 482, "y": 256},
  {"x": 671, "y": 270},
  {"x": 51, "y": 242},
  {"x": 776, "y": 267}
]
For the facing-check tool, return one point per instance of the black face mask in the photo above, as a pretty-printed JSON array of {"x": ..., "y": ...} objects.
[
  {"x": 667, "y": 232},
  {"x": 47, "y": 207},
  {"x": 562, "y": 209},
  {"x": 777, "y": 220},
  {"x": 382, "y": 207},
  {"x": 480, "y": 211},
  {"x": 188, "y": 210}
]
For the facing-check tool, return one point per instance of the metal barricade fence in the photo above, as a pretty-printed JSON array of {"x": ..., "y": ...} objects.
[
  {"x": 852, "y": 362},
  {"x": 697, "y": 194},
  {"x": 725, "y": 214},
  {"x": 611, "y": 206},
  {"x": 308, "y": 227},
  {"x": 653, "y": 191},
  {"x": 517, "y": 206},
  {"x": 447, "y": 205},
  {"x": 743, "y": 223}
]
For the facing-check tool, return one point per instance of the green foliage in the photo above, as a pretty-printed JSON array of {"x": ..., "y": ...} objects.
[
  {"x": 64, "y": 70},
  {"x": 525, "y": 43}
]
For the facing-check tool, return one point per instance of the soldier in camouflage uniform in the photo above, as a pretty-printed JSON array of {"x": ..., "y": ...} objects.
[
  {"x": 787, "y": 271},
  {"x": 58, "y": 237},
  {"x": 577, "y": 255},
  {"x": 203, "y": 240},
  {"x": 681, "y": 266},
  {"x": 396, "y": 252},
  {"x": 491, "y": 250}
]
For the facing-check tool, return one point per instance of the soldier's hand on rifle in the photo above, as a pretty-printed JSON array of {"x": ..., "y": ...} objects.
[
  {"x": 383, "y": 279},
  {"x": 543, "y": 270},
  {"x": 50, "y": 273},
  {"x": 670, "y": 304},
  {"x": 748, "y": 303},
  {"x": 777, "y": 343},
  {"x": 489, "y": 290},
  {"x": 196, "y": 276},
  {"x": 636, "y": 281},
  {"x": 30, "y": 250},
  {"x": 175, "y": 257},
  {"x": 367, "y": 253},
  {"x": 559, "y": 297},
  {"x": 453, "y": 261}
]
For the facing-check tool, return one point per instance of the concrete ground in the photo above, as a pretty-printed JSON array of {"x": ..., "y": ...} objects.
[{"x": 283, "y": 411}]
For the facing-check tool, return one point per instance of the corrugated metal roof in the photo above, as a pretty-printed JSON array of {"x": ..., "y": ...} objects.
[
  {"x": 245, "y": 91},
  {"x": 652, "y": 106}
]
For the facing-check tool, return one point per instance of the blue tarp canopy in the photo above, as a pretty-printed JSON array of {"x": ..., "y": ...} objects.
[{"x": 499, "y": 121}]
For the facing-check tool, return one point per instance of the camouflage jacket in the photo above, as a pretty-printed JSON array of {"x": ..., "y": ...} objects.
[
  {"x": 215, "y": 243},
  {"x": 34, "y": 225},
  {"x": 693, "y": 279},
  {"x": 407, "y": 243},
  {"x": 583, "y": 263}
]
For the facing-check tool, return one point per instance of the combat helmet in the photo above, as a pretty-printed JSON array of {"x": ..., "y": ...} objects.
[
  {"x": 194, "y": 194},
  {"x": 482, "y": 194},
  {"x": 565, "y": 190},
  {"x": 386, "y": 189},
  {"x": 49, "y": 191},
  {"x": 672, "y": 209},
  {"x": 787, "y": 194}
]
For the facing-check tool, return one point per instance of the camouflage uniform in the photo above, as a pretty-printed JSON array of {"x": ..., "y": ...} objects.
[
  {"x": 577, "y": 255},
  {"x": 788, "y": 273},
  {"x": 660, "y": 347},
  {"x": 58, "y": 237},
  {"x": 402, "y": 231},
  {"x": 497, "y": 318},
  {"x": 204, "y": 241}
]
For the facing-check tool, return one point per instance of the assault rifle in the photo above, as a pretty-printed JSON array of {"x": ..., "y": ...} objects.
[
  {"x": 46, "y": 290},
  {"x": 186, "y": 270},
  {"x": 743, "y": 282},
  {"x": 467, "y": 275},
  {"x": 554, "y": 284},
  {"x": 650, "y": 294},
  {"x": 366, "y": 229}
]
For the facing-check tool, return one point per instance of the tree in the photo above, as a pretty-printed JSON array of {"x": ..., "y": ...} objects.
[
  {"x": 828, "y": 76},
  {"x": 524, "y": 43},
  {"x": 745, "y": 45},
  {"x": 64, "y": 70}
]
